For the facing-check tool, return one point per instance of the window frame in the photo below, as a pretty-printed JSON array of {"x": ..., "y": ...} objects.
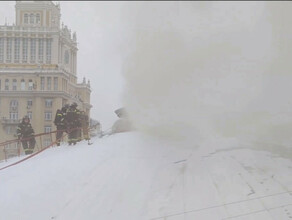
[
  {"x": 48, "y": 116},
  {"x": 49, "y": 103},
  {"x": 47, "y": 128}
]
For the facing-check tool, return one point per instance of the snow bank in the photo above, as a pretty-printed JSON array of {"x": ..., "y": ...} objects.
[{"x": 129, "y": 176}]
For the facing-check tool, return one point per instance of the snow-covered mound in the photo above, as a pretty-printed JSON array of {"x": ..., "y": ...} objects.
[{"x": 130, "y": 176}]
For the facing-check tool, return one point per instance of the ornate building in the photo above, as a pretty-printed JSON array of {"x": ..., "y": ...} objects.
[{"x": 38, "y": 68}]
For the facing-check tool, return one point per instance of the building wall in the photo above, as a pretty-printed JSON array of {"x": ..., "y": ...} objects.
[{"x": 39, "y": 61}]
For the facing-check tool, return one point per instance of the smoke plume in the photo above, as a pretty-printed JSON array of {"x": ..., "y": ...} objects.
[{"x": 201, "y": 69}]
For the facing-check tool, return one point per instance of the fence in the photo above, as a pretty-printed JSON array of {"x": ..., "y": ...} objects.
[
  {"x": 13, "y": 148},
  {"x": 38, "y": 149}
]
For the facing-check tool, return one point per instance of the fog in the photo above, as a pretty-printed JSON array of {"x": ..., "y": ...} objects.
[
  {"x": 186, "y": 70},
  {"x": 198, "y": 70}
]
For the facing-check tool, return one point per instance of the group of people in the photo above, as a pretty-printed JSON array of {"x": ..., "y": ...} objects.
[
  {"x": 69, "y": 119},
  {"x": 73, "y": 121}
]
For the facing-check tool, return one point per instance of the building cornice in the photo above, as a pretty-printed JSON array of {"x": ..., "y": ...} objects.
[
  {"x": 21, "y": 29},
  {"x": 36, "y": 72},
  {"x": 36, "y": 4},
  {"x": 27, "y": 66},
  {"x": 35, "y": 94},
  {"x": 83, "y": 86}
]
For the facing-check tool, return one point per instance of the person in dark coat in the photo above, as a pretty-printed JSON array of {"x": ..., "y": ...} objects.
[
  {"x": 79, "y": 125},
  {"x": 60, "y": 124},
  {"x": 64, "y": 112},
  {"x": 72, "y": 120},
  {"x": 85, "y": 125},
  {"x": 25, "y": 134}
]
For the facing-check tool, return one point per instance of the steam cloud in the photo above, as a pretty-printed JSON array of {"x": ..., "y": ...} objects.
[{"x": 202, "y": 69}]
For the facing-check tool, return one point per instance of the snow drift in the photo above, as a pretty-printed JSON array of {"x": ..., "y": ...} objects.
[{"x": 131, "y": 176}]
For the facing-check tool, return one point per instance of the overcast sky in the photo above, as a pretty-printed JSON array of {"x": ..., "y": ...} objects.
[{"x": 100, "y": 50}]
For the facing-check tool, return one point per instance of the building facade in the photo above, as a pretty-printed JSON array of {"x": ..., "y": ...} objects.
[{"x": 38, "y": 68}]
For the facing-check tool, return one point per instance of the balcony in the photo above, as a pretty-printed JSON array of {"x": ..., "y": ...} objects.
[{"x": 8, "y": 121}]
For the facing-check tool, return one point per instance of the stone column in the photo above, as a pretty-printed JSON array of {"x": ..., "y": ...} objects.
[
  {"x": 28, "y": 48},
  {"x": 37, "y": 50},
  {"x": 5, "y": 48},
  {"x": 20, "y": 48},
  {"x": 12, "y": 49}
]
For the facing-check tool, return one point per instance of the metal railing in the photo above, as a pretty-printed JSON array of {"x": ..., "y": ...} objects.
[{"x": 13, "y": 148}]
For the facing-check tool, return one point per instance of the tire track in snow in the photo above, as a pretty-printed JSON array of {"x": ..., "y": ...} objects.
[
  {"x": 226, "y": 204},
  {"x": 260, "y": 182}
]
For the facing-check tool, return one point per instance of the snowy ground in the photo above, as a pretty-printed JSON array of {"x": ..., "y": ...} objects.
[{"x": 131, "y": 176}]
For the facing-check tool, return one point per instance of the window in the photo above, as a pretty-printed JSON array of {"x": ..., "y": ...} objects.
[
  {"x": 55, "y": 83},
  {"x": 48, "y": 50},
  {"x": 24, "y": 50},
  {"x": 8, "y": 49},
  {"x": 11, "y": 130},
  {"x": 42, "y": 83},
  {"x": 16, "y": 50},
  {"x": 64, "y": 85},
  {"x": 13, "y": 103},
  {"x": 22, "y": 84},
  {"x": 29, "y": 103},
  {"x": 26, "y": 18},
  {"x": 38, "y": 19},
  {"x": 41, "y": 51},
  {"x": 29, "y": 114},
  {"x": 48, "y": 129},
  {"x": 6, "y": 84},
  {"x": 48, "y": 116},
  {"x": 14, "y": 84},
  {"x": 66, "y": 57},
  {"x": 32, "y": 50},
  {"x": 49, "y": 83},
  {"x": 13, "y": 106},
  {"x": 13, "y": 115},
  {"x": 49, "y": 103},
  {"x": 47, "y": 142},
  {"x": 31, "y": 18},
  {"x": 30, "y": 85},
  {"x": 1, "y": 50}
]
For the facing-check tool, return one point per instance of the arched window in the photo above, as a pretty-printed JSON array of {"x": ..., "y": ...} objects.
[
  {"x": 31, "y": 18},
  {"x": 26, "y": 18}
]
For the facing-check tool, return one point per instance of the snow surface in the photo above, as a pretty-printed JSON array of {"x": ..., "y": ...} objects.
[{"x": 132, "y": 176}]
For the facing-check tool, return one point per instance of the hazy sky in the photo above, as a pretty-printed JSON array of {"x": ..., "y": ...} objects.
[{"x": 99, "y": 56}]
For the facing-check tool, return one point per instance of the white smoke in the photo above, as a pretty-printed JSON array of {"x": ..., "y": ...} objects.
[{"x": 202, "y": 69}]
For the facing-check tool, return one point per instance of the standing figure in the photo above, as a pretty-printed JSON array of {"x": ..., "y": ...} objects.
[
  {"x": 60, "y": 124},
  {"x": 85, "y": 125},
  {"x": 64, "y": 112},
  {"x": 25, "y": 134},
  {"x": 72, "y": 124},
  {"x": 79, "y": 125}
]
